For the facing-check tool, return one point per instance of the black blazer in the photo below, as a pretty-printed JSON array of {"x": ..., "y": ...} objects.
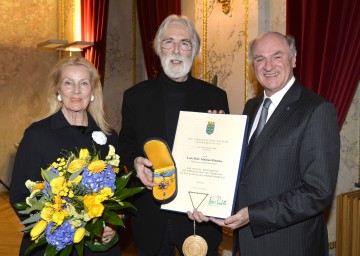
[
  {"x": 41, "y": 145},
  {"x": 289, "y": 177},
  {"x": 143, "y": 118}
]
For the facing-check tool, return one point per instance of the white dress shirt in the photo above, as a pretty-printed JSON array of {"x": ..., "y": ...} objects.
[{"x": 275, "y": 101}]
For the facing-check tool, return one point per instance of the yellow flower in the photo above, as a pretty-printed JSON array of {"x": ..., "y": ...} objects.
[
  {"x": 84, "y": 154},
  {"x": 57, "y": 203},
  {"x": 112, "y": 158},
  {"x": 77, "y": 179},
  {"x": 79, "y": 235},
  {"x": 116, "y": 170},
  {"x": 71, "y": 194},
  {"x": 47, "y": 213},
  {"x": 75, "y": 223},
  {"x": 93, "y": 205},
  {"x": 97, "y": 166},
  {"x": 76, "y": 165},
  {"x": 38, "y": 229},
  {"x": 58, "y": 186},
  {"x": 59, "y": 217},
  {"x": 39, "y": 186},
  {"x": 100, "y": 198},
  {"x": 106, "y": 192},
  {"x": 89, "y": 200},
  {"x": 96, "y": 210}
]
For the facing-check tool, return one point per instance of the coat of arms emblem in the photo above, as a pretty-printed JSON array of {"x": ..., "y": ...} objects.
[{"x": 210, "y": 128}]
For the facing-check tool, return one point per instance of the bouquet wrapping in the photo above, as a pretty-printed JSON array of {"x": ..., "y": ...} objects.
[{"x": 78, "y": 196}]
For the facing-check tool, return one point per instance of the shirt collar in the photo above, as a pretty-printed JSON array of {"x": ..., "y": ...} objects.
[
  {"x": 59, "y": 121},
  {"x": 277, "y": 97}
]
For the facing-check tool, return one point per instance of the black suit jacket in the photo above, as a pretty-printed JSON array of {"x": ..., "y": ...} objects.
[
  {"x": 289, "y": 177},
  {"x": 143, "y": 118}
]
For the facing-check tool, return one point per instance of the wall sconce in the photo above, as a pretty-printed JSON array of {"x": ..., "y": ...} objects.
[
  {"x": 63, "y": 45},
  {"x": 225, "y": 5},
  {"x": 51, "y": 44},
  {"x": 76, "y": 46}
]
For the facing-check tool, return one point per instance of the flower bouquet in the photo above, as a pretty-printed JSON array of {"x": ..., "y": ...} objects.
[{"x": 69, "y": 208}]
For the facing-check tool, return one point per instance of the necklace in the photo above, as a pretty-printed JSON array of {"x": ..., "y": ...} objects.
[{"x": 195, "y": 245}]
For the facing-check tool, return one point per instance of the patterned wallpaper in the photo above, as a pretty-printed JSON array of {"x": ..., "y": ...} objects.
[{"x": 23, "y": 69}]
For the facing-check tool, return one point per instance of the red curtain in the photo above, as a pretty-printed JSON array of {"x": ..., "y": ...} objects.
[
  {"x": 151, "y": 13},
  {"x": 327, "y": 35},
  {"x": 94, "y": 17}
]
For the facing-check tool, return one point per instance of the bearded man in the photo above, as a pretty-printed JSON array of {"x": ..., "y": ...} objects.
[{"x": 151, "y": 109}]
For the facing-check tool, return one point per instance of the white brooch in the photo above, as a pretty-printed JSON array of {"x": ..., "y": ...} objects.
[{"x": 99, "y": 137}]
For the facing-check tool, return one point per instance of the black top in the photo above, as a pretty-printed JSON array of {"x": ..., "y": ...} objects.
[
  {"x": 174, "y": 94},
  {"x": 151, "y": 109},
  {"x": 41, "y": 145}
]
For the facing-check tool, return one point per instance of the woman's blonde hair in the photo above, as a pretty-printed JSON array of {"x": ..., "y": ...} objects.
[{"x": 95, "y": 107}]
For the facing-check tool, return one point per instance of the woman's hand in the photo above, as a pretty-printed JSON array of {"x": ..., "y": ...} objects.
[{"x": 108, "y": 234}]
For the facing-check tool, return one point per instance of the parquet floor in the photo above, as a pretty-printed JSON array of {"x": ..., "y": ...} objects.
[{"x": 10, "y": 235}]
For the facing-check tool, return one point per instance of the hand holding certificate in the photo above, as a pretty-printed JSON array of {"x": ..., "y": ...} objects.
[{"x": 208, "y": 151}]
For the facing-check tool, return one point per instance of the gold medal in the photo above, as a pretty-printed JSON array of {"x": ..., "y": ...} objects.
[{"x": 194, "y": 246}]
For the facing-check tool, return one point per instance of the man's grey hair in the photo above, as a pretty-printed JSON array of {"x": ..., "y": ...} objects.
[
  {"x": 288, "y": 38},
  {"x": 195, "y": 38}
]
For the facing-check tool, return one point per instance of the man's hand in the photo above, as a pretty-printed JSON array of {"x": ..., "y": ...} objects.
[
  {"x": 197, "y": 216},
  {"x": 143, "y": 172},
  {"x": 241, "y": 218},
  {"x": 216, "y": 111}
]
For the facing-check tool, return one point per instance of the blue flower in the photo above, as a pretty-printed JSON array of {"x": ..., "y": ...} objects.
[
  {"x": 100, "y": 180},
  {"x": 61, "y": 237},
  {"x": 46, "y": 189}
]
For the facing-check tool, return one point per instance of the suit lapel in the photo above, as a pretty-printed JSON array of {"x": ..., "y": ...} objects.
[{"x": 287, "y": 105}]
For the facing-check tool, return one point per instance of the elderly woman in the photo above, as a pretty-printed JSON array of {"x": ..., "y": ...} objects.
[{"x": 76, "y": 120}]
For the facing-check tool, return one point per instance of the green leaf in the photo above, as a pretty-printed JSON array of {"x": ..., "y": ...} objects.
[
  {"x": 49, "y": 175},
  {"x": 100, "y": 247},
  {"x": 20, "y": 206},
  {"x": 121, "y": 181},
  {"x": 32, "y": 218},
  {"x": 111, "y": 204},
  {"x": 79, "y": 247},
  {"x": 98, "y": 227},
  {"x": 66, "y": 251},
  {"x": 33, "y": 245},
  {"x": 50, "y": 251},
  {"x": 127, "y": 192},
  {"x": 38, "y": 206},
  {"x": 27, "y": 228},
  {"x": 112, "y": 218},
  {"x": 74, "y": 175}
]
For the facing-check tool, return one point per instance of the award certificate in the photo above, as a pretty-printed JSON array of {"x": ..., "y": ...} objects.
[{"x": 208, "y": 151}]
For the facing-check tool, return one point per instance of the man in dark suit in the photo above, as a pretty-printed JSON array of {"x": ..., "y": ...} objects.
[
  {"x": 151, "y": 109},
  {"x": 291, "y": 167}
]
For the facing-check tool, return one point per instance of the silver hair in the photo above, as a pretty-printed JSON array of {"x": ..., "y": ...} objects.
[
  {"x": 195, "y": 38},
  {"x": 288, "y": 38}
]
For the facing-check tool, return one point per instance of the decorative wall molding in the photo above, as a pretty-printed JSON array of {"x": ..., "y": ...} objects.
[{"x": 226, "y": 5}]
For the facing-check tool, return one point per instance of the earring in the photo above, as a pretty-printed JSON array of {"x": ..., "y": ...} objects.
[
  {"x": 92, "y": 98},
  {"x": 59, "y": 97}
]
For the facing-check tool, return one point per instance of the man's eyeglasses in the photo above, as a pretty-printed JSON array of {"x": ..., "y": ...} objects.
[{"x": 170, "y": 44}]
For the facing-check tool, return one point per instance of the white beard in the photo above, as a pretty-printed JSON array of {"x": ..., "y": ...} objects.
[{"x": 176, "y": 71}]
